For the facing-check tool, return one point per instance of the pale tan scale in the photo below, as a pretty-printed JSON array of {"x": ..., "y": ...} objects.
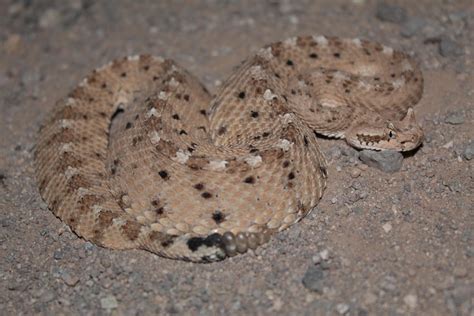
[{"x": 140, "y": 155}]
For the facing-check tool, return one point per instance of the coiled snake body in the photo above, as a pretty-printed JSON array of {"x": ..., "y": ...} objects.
[{"x": 190, "y": 176}]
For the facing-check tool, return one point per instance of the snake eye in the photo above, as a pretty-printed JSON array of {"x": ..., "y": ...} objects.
[{"x": 391, "y": 135}]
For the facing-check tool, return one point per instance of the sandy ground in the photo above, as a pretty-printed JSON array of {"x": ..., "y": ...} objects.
[{"x": 377, "y": 244}]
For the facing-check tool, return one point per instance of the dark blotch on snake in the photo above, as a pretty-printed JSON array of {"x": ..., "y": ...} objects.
[{"x": 213, "y": 240}]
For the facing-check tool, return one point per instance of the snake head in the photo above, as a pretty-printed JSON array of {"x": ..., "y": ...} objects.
[{"x": 404, "y": 135}]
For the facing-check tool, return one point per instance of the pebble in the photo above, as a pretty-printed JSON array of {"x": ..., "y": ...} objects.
[
  {"x": 316, "y": 259},
  {"x": 411, "y": 300},
  {"x": 454, "y": 118},
  {"x": 335, "y": 153},
  {"x": 49, "y": 19},
  {"x": 449, "y": 48},
  {"x": 357, "y": 210},
  {"x": 411, "y": 27},
  {"x": 387, "y": 227},
  {"x": 458, "y": 16},
  {"x": 462, "y": 294},
  {"x": 370, "y": 298},
  {"x": 349, "y": 151},
  {"x": 355, "y": 173},
  {"x": 342, "y": 308},
  {"x": 390, "y": 13},
  {"x": 356, "y": 185},
  {"x": 324, "y": 254},
  {"x": 460, "y": 272},
  {"x": 48, "y": 296},
  {"x": 13, "y": 43},
  {"x": 70, "y": 280},
  {"x": 88, "y": 246},
  {"x": 313, "y": 278},
  {"x": 389, "y": 284},
  {"x": 387, "y": 161},
  {"x": 109, "y": 302},
  {"x": 58, "y": 255},
  {"x": 469, "y": 150}
]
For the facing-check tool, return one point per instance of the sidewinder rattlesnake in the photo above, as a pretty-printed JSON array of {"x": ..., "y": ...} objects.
[{"x": 191, "y": 176}]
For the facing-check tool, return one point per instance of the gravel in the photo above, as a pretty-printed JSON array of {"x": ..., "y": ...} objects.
[
  {"x": 48, "y": 46},
  {"x": 387, "y": 160}
]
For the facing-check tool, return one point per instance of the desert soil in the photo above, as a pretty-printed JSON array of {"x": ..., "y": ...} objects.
[{"x": 378, "y": 243}]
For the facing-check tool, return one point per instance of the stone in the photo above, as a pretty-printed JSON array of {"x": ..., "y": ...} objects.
[
  {"x": 58, "y": 255},
  {"x": 454, "y": 118},
  {"x": 387, "y": 227},
  {"x": 313, "y": 278},
  {"x": 342, "y": 308},
  {"x": 324, "y": 254},
  {"x": 411, "y": 27},
  {"x": 411, "y": 300},
  {"x": 469, "y": 151},
  {"x": 386, "y": 161},
  {"x": 70, "y": 280},
  {"x": 390, "y": 13},
  {"x": 109, "y": 302},
  {"x": 449, "y": 48},
  {"x": 49, "y": 19}
]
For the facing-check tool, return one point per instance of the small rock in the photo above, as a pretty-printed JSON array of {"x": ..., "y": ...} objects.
[
  {"x": 387, "y": 160},
  {"x": 407, "y": 187},
  {"x": 58, "y": 255},
  {"x": 70, "y": 280},
  {"x": 324, "y": 254},
  {"x": 13, "y": 43},
  {"x": 458, "y": 16},
  {"x": 370, "y": 298},
  {"x": 349, "y": 151},
  {"x": 342, "y": 308},
  {"x": 462, "y": 294},
  {"x": 335, "y": 153},
  {"x": 454, "y": 118},
  {"x": 357, "y": 210},
  {"x": 449, "y": 48},
  {"x": 355, "y": 173},
  {"x": 411, "y": 27},
  {"x": 389, "y": 283},
  {"x": 49, "y": 18},
  {"x": 48, "y": 296},
  {"x": 356, "y": 185},
  {"x": 469, "y": 151},
  {"x": 390, "y": 13},
  {"x": 89, "y": 246},
  {"x": 460, "y": 272},
  {"x": 313, "y": 278},
  {"x": 411, "y": 300},
  {"x": 316, "y": 259},
  {"x": 108, "y": 302},
  {"x": 439, "y": 188},
  {"x": 387, "y": 227}
]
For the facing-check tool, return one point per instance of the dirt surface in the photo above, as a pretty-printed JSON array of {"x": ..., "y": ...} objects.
[{"x": 377, "y": 244}]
